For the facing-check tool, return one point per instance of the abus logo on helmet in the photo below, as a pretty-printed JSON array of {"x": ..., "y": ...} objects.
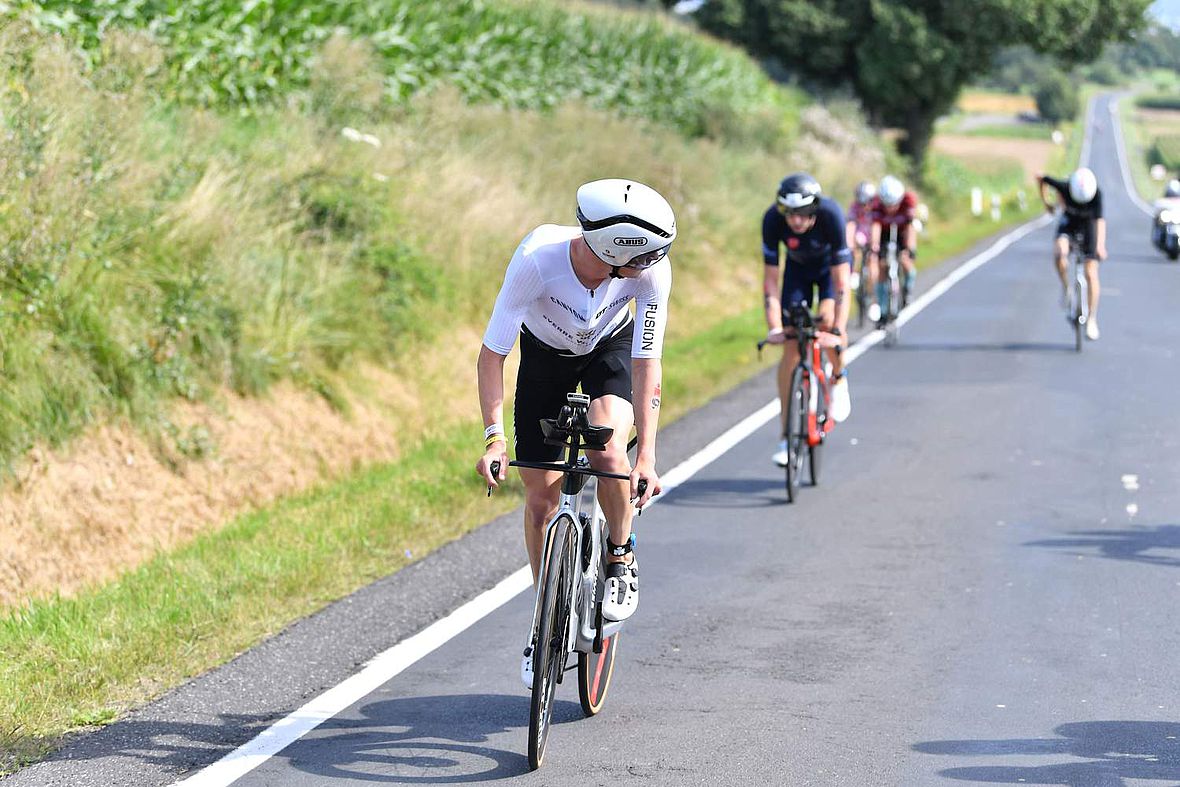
[{"x": 630, "y": 241}]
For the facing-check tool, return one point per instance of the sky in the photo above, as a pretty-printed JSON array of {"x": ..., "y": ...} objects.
[{"x": 1168, "y": 11}]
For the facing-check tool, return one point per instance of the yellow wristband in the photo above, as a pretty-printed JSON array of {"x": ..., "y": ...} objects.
[{"x": 496, "y": 438}]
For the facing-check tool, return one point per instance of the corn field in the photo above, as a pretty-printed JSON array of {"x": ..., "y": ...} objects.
[{"x": 522, "y": 54}]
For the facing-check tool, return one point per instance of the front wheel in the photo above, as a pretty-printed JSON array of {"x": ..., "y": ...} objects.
[
  {"x": 796, "y": 431},
  {"x": 549, "y": 651}
]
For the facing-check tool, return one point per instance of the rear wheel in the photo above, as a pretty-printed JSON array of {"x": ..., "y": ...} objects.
[
  {"x": 594, "y": 674},
  {"x": 1079, "y": 315},
  {"x": 549, "y": 653},
  {"x": 796, "y": 431}
]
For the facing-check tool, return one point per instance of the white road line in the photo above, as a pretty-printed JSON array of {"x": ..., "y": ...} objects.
[
  {"x": 1087, "y": 133},
  {"x": 1120, "y": 146},
  {"x": 390, "y": 663}
]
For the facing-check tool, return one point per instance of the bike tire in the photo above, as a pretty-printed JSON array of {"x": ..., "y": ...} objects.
[
  {"x": 594, "y": 674},
  {"x": 1079, "y": 322},
  {"x": 796, "y": 432},
  {"x": 551, "y": 649}
]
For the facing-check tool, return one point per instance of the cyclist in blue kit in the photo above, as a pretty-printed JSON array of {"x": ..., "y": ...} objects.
[{"x": 810, "y": 228}]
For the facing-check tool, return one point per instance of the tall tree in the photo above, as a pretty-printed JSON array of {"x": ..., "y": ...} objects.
[{"x": 908, "y": 59}]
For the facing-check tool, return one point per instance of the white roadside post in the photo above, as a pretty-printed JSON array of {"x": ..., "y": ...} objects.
[{"x": 976, "y": 202}]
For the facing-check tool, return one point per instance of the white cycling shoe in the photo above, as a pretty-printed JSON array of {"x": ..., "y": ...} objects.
[
  {"x": 622, "y": 590},
  {"x": 1092, "y": 329},
  {"x": 526, "y": 668},
  {"x": 841, "y": 401},
  {"x": 781, "y": 456},
  {"x": 874, "y": 312}
]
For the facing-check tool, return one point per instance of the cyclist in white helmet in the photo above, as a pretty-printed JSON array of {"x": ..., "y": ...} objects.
[
  {"x": 566, "y": 295},
  {"x": 1081, "y": 216},
  {"x": 895, "y": 206}
]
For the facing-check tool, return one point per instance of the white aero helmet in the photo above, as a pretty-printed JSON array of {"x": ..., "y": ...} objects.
[
  {"x": 891, "y": 192},
  {"x": 1083, "y": 185},
  {"x": 625, "y": 223}
]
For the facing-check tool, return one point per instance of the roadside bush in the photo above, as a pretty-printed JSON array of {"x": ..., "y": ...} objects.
[{"x": 1056, "y": 97}]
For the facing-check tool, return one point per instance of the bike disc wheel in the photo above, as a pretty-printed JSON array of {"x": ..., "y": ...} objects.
[
  {"x": 549, "y": 654},
  {"x": 1079, "y": 326},
  {"x": 594, "y": 674},
  {"x": 796, "y": 432}
]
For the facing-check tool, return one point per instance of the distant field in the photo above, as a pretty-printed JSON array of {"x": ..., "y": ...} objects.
[
  {"x": 983, "y": 101},
  {"x": 1033, "y": 155},
  {"x": 1038, "y": 131}
]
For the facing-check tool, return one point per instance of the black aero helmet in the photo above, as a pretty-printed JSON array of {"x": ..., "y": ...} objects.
[{"x": 798, "y": 195}]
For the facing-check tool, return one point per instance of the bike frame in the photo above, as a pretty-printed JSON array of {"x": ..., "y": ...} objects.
[
  {"x": 579, "y": 504},
  {"x": 1080, "y": 297},
  {"x": 816, "y": 379}
]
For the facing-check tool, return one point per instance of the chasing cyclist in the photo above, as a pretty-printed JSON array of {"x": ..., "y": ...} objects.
[
  {"x": 894, "y": 207},
  {"x": 566, "y": 294},
  {"x": 811, "y": 229},
  {"x": 857, "y": 232},
  {"x": 1081, "y": 217}
]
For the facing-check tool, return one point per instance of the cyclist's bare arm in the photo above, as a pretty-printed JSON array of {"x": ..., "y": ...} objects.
[
  {"x": 850, "y": 234},
  {"x": 1050, "y": 206},
  {"x": 773, "y": 303},
  {"x": 490, "y": 369},
  {"x": 646, "y": 392}
]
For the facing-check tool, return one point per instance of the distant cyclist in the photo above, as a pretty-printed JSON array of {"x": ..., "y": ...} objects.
[
  {"x": 566, "y": 295},
  {"x": 1081, "y": 217},
  {"x": 810, "y": 227},
  {"x": 858, "y": 231},
  {"x": 894, "y": 207}
]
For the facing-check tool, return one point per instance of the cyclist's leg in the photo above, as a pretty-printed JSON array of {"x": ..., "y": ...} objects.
[
  {"x": 1092, "y": 285},
  {"x": 614, "y": 495},
  {"x": 1061, "y": 253},
  {"x": 796, "y": 290},
  {"x": 542, "y": 489},
  {"x": 830, "y": 309},
  {"x": 606, "y": 379},
  {"x": 542, "y": 383}
]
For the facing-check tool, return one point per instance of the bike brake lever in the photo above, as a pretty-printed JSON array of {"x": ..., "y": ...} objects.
[
  {"x": 495, "y": 468},
  {"x": 642, "y": 488}
]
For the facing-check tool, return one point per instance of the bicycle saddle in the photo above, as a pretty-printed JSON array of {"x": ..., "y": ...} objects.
[{"x": 594, "y": 438}]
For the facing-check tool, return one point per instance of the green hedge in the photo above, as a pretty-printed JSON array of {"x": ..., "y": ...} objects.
[
  {"x": 1159, "y": 101},
  {"x": 523, "y": 54},
  {"x": 1166, "y": 151}
]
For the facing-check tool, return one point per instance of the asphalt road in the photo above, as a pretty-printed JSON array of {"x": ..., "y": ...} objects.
[{"x": 981, "y": 590}]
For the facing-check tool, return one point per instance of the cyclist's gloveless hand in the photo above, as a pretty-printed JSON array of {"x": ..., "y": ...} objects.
[
  {"x": 775, "y": 336},
  {"x": 497, "y": 452},
  {"x": 1101, "y": 252},
  {"x": 645, "y": 470}
]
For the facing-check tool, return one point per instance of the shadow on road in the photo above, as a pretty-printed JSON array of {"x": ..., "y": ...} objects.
[
  {"x": 425, "y": 740},
  {"x": 1132, "y": 544},
  {"x": 413, "y": 740},
  {"x": 729, "y": 493},
  {"x": 1115, "y": 751}
]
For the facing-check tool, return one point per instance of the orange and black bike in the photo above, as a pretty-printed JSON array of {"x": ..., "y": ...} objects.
[{"x": 809, "y": 399}]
